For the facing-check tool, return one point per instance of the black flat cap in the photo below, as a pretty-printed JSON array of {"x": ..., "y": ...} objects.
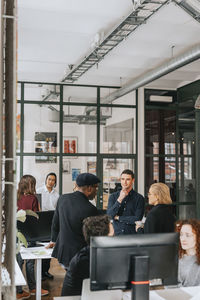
[{"x": 87, "y": 179}]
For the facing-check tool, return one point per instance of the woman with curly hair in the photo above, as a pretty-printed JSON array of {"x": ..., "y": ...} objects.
[{"x": 189, "y": 252}]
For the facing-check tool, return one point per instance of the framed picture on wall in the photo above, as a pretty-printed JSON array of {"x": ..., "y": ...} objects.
[
  {"x": 75, "y": 173},
  {"x": 111, "y": 163},
  {"x": 66, "y": 166},
  {"x": 45, "y": 142},
  {"x": 91, "y": 167},
  {"x": 70, "y": 144}
]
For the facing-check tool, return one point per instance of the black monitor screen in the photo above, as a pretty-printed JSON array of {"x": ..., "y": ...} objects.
[
  {"x": 110, "y": 259},
  {"x": 39, "y": 197},
  {"x": 37, "y": 230}
]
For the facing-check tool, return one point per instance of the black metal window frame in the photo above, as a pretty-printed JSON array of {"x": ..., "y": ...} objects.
[
  {"x": 99, "y": 156},
  {"x": 169, "y": 106}
]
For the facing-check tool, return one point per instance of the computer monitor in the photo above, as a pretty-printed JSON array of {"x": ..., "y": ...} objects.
[
  {"x": 37, "y": 230},
  {"x": 39, "y": 198},
  {"x": 130, "y": 261}
]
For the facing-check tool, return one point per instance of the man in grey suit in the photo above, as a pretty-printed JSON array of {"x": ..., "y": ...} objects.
[{"x": 70, "y": 212}]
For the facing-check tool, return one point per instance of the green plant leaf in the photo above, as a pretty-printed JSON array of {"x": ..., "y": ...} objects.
[
  {"x": 22, "y": 239},
  {"x": 21, "y": 215},
  {"x": 18, "y": 247}
]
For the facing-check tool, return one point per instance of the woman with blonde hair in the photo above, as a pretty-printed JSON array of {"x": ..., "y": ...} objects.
[
  {"x": 189, "y": 252},
  {"x": 159, "y": 219}
]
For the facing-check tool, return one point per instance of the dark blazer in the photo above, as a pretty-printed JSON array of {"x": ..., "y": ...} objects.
[
  {"x": 159, "y": 220},
  {"x": 66, "y": 228},
  {"x": 78, "y": 270},
  {"x": 130, "y": 210}
]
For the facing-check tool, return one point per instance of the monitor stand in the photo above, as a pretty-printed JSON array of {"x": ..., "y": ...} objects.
[{"x": 139, "y": 277}]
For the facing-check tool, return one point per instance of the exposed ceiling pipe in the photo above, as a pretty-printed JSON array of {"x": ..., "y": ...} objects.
[{"x": 173, "y": 64}]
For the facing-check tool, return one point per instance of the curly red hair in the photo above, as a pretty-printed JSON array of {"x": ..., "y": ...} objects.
[{"x": 195, "y": 224}]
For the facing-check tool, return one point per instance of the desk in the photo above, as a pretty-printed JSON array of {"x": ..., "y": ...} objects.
[
  {"x": 95, "y": 295},
  {"x": 37, "y": 253},
  {"x": 68, "y": 298},
  {"x": 183, "y": 293},
  {"x": 19, "y": 278}
]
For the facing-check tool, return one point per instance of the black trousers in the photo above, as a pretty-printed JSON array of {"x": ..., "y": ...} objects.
[
  {"x": 45, "y": 265},
  {"x": 30, "y": 263}
]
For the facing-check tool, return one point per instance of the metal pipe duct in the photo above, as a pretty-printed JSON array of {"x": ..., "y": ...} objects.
[{"x": 173, "y": 64}]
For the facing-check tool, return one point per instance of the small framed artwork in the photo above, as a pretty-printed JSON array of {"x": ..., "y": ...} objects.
[
  {"x": 70, "y": 144},
  {"x": 45, "y": 142},
  {"x": 91, "y": 167},
  {"x": 75, "y": 173},
  {"x": 66, "y": 166},
  {"x": 111, "y": 163}
]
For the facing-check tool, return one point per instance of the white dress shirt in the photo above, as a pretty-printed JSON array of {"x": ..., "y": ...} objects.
[{"x": 48, "y": 199}]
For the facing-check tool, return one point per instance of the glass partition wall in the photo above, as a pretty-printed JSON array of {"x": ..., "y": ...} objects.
[
  {"x": 170, "y": 149},
  {"x": 70, "y": 129}
]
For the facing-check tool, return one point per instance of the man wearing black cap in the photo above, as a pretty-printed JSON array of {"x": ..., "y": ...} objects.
[{"x": 70, "y": 212}]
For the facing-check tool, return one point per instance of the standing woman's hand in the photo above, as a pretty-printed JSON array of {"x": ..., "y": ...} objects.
[{"x": 138, "y": 224}]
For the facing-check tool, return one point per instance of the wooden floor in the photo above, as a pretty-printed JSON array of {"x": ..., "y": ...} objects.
[{"x": 53, "y": 286}]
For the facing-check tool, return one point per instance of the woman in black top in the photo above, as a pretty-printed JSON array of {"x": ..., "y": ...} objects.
[{"x": 159, "y": 219}]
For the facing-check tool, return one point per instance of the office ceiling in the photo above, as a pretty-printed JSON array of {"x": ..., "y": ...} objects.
[{"x": 54, "y": 36}]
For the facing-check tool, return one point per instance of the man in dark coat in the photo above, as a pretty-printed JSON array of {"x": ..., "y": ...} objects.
[
  {"x": 70, "y": 212},
  {"x": 125, "y": 206}
]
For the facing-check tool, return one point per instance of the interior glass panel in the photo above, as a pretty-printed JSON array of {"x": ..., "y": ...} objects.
[
  {"x": 79, "y": 129},
  {"x": 112, "y": 169},
  {"x": 118, "y": 133},
  {"x": 42, "y": 92},
  {"x": 41, "y": 128},
  {"x": 79, "y": 94}
]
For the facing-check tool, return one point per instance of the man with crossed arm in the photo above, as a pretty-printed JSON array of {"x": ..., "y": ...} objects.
[{"x": 125, "y": 206}]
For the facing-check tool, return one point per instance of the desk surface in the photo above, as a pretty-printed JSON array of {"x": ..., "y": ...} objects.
[
  {"x": 19, "y": 278},
  {"x": 36, "y": 252},
  {"x": 68, "y": 298},
  {"x": 183, "y": 293}
]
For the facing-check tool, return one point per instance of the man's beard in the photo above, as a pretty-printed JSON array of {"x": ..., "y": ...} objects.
[{"x": 91, "y": 196}]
